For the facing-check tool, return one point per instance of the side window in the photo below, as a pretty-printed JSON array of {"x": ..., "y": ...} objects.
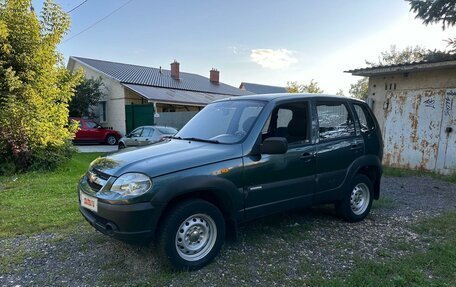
[
  {"x": 91, "y": 124},
  {"x": 365, "y": 119},
  {"x": 290, "y": 121},
  {"x": 334, "y": 121},
  {"x": 136, "y": 133},
  {"x": 147, "y": 132}
]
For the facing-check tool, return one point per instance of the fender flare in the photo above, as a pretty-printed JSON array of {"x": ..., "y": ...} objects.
[
  {"x": 226, "y": 193},
  {"x": 358, "y": 164}
]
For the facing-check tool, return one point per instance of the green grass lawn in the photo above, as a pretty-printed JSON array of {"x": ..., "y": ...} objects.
[
  {"x": 400, "y": 172},
  {"x": 40, "y": 201}
]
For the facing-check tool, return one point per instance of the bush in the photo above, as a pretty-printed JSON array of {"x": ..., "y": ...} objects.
[
  {"x": 35, "y": 87},
  {"x": 40, "y": 159}
]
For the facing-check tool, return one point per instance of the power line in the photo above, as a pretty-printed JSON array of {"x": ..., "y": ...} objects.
[
  {"x": 94, "y": 24},
  {"x": 77, "y": 6}
]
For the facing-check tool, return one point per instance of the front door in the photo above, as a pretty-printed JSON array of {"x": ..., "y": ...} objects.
[
  {"x": 133, "y": 138},
  {"x": 337, "y": 148},
  {"x": 282, "y": 181}
]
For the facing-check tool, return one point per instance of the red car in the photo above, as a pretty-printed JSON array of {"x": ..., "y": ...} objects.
[{"x": 90, "y": 131}]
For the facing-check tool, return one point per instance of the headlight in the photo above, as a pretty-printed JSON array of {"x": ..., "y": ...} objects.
[{"x": 131, "y": 184}]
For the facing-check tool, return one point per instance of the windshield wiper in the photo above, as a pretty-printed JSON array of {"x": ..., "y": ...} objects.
[
  {"x": 201, "y": 140},
  {"x": 173, "y": 137}
]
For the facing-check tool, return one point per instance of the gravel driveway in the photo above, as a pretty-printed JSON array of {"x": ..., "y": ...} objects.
[{"x": 282, "y": 250}]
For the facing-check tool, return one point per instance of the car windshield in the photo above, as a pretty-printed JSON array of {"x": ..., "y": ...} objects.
[
  {"x": 222, "y": 122},
  {"x": 91, "y": 124}
]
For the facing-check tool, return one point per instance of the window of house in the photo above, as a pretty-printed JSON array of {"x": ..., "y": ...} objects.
[
  {"x": 102, "y": 111},
  {"x": 334, "y": 121},
  {"x": 365, "y": 119}
]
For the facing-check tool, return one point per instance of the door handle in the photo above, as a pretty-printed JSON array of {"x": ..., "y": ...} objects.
[{"x": 307, "y": 156}]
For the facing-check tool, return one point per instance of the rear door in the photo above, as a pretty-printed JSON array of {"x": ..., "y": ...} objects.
[
  {"x": 146, "y": 136},
  {"x": 338, "y": 146}
]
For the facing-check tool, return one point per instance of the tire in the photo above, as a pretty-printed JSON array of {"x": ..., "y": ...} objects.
[
  {"x": 191, "y": 235},
  {"x": 121, "y": 145},
  {"x": 111, "y": 140},
  {"x": 357, "y": 201}
]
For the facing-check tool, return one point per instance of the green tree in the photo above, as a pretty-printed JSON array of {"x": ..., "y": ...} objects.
[
  {"x": 395, "y": 56},
  {"x": 35, "y": 87},
  {"x": 359, "y": 90},
  {"x": 340, "y": 92},
  {"x": 311, "y": 87},
  {"x": 436, "y": 11},
  {"x": 87, "y": 94}
]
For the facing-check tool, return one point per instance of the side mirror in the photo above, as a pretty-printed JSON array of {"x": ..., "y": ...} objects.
[{"x": 274, "y": 145}]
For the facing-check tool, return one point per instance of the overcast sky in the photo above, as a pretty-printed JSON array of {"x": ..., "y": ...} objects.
[{"x": 267, "y": 42}]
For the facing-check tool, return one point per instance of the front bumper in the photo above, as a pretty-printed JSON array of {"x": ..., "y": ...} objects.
[{"x": 124, "y": 221}]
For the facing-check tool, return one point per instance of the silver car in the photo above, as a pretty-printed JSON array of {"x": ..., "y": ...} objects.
[{"x": 146, "y": 135}]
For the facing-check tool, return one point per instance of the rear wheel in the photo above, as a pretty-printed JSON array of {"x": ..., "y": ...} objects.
[
  {"x": 121, "y": 145},
  {"x": 191, "y": 235},
  {"x": 357, "y": 201},
  {"x": 111, "y": 140}
]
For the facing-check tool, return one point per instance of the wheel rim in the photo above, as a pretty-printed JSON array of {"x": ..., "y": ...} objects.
[
  {"x": 111, "y": 140},
  {"x": 196, "y": 237},
  {"x": 359, "y": 198}
]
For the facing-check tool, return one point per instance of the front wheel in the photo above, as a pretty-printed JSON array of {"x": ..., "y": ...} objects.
[
  {"x": 191, "y": 235},
  {"x": 357, "y": 201},
  {"x": 111, "y": 140}
]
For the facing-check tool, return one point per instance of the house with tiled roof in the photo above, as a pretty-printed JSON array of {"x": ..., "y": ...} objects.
[
  {"x": 262, "y": 89},
  {"x": 138, "y": 95}
]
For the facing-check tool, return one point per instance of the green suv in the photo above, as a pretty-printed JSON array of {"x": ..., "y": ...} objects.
[{"x": 237, "y": 160}]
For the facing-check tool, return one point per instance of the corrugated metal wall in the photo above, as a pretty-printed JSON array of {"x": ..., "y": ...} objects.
[{"x": 419, "y": 130}]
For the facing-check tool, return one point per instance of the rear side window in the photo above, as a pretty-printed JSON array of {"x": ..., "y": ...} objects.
[
  {"x": 167, "y": 130},
  {"x": 334, "y": 121},
  {"x": 365, "y": 119}
]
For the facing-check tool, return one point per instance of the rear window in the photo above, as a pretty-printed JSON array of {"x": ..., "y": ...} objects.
[
  {"x": 167, "y": 130},
  {"x": 334, "y": 121},
  {"x": 365, "y": 119}
]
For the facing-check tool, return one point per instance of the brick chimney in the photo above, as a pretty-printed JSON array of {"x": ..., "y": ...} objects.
[
  {"x": 214, "y": 76},
  {"x": 175, "y": 70}
]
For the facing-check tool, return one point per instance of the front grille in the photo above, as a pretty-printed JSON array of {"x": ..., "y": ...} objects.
[{"x": 96, "y": 179}]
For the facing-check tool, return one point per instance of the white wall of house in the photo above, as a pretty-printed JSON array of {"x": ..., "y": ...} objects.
[{"x": 115, "y": 98}]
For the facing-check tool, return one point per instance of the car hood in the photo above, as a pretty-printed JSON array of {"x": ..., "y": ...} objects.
[{"x": 165, "y": 157}]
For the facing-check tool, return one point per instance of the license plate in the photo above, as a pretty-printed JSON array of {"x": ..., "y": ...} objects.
[{"x": 89, "y": 202}]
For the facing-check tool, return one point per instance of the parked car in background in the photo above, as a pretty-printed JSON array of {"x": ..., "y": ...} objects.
[
  {"x": 91, "y": 131},
  {"x": 146, "y": 135}
]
